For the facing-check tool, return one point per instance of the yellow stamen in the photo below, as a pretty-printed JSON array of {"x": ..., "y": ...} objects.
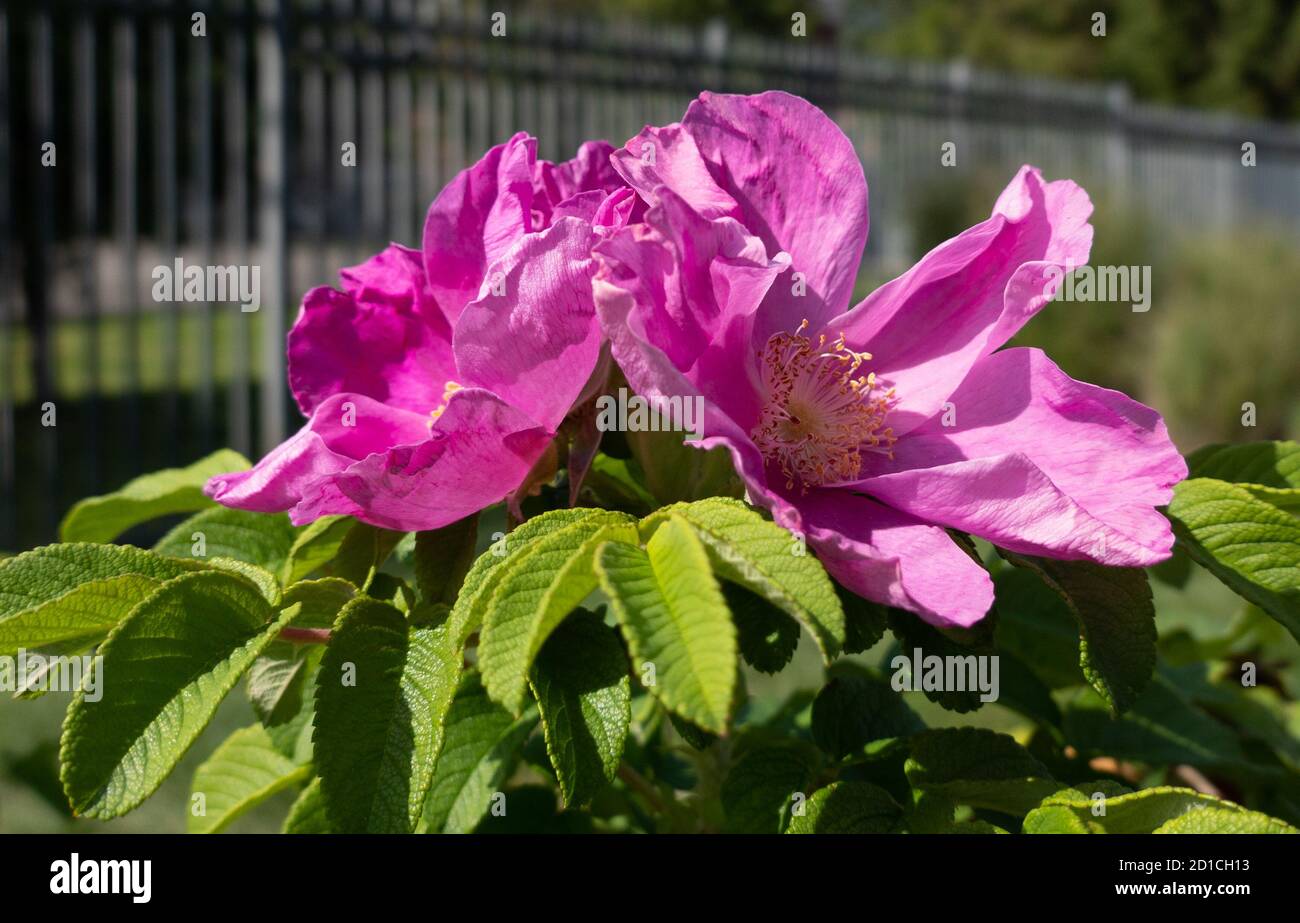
[
  {"x": 448, "y": 390},
  {"x": 819, "y": 418}
]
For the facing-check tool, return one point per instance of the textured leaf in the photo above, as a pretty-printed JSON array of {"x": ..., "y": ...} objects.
[
  {"x": 242, "y": 773},
  {"x": 167, "y": 667},
  {"x": 858, "y": 714},
  {"x": 1035, "y": 623},
  {"x": 362, "y": 552},
  {"x": 674, "y": 617},
  {"x": 1163, "y": 727},
  {"x": 276, "y": 679},
  {"x": 162, "y": 493},
  {"x": 382, "y": 691},
  {"x": 263, "y": 539},
  {"x": 766, "y": 635},
  {"x": 914, "y": 634},
  {"x": 481, "y": 581},
  {"x": 980, "y": 768},
  {"x": 848, "y": 807},
  {"x": 1153, "y": 810},
  {"x": 759, "y": 792},
  {"x": 541, "y": 585},
  {"x": 1248, "y": 543},
  {"x": 79, "y": 618},
  {"x": 36, "y": 577},
  {"x": 765, "y": 558},
  {"x": 308, "y": 813},
  {"x": 1267, "y": 464},
  {"x": 864, "y": 621},
  {"x": 442, "y": 559},
  {"x": 584, "y": 697},
  {"x": 315, "y": 546},
  {"x": 1116, "y": 616},
  {"x": 482, "y": 749}
]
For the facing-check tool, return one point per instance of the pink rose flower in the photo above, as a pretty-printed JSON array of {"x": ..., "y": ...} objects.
[
  {"x": 436, "y": 378},
  {"x": 872, "y": 429}
]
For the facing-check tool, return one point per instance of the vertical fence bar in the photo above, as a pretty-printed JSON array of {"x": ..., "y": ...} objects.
[
  {"x": 235, "y": 223},
  {"x": 401, "y": 185},
  {"x": 200, "y": 230},
  {"x": 272, "y": 179},
  {"x": 38, "y": 268},
  {"x": 167, "y": 320},
  {"x": 8, "y": 323},
  {"x": 87, "y": 209},
  {"x": 125, "y": 223},
  {"x": 371, "y": 150}
]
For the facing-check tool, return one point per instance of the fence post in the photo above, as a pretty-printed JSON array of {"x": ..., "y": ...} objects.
[{"x": 272, "y": 225}]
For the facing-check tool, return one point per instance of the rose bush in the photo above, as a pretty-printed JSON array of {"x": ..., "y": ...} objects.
[{"x": 451, "y": 612}]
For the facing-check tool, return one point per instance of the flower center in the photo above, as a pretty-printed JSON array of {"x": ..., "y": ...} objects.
[
  {"x": 448, "y": 390},
  {"x": 819, "y": 418}
]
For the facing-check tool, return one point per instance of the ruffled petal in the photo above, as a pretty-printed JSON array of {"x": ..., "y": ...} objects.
[
  {"x": 676, "y": 297},
  {"x": 893, "y": 558},
  {"x": 382, "y": 336},
  {"x": 968, "y": 296},
  {"x": 536, "y": 343},
  {"x": 480, "y": 449},
  {"x": 343, "y": 429},
  {"x": 1040, "y": 463},
  {"x": 476, "y": 219}
]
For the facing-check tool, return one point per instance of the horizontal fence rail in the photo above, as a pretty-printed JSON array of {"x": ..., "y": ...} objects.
[{"x": 227, "y": 148}]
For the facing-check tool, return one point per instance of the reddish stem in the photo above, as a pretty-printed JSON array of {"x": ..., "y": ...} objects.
[{"x": 305, "y": 635}]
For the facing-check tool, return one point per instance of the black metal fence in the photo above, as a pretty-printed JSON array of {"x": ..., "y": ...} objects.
[{"x": 133, "y": 134}]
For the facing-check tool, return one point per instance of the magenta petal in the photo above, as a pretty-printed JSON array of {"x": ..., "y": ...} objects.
[
  {"x": 893, "y": 558},
  {"x": 382, "y": 336},
  {"x": 669, "y": 157},
  {"x": 480, "y": 449},
  {"x": 797, "y": 181},
  {"x": 535, "y": 344},
  {"x": 965, "y": 298},
  {"x": 591, "y": 170},
  {"x": 342, "y": 430},
  {"x": 475, "y": 219},
  {"x": 1041, "y": 463}
]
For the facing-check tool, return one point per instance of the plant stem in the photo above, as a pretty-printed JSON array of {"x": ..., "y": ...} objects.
[
  {"x": 637, "y": 782},
  {"x": 305, "y": 635}
]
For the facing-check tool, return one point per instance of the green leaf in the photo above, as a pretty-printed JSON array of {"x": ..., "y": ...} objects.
[
  {"x": 858, "y": 714},
  {"x": 763, "y": 557},
  {"x": 167, "y": 667},
  {"x": 760, "y": 791},
  {"x": 1036, "y": 624},
  {"x": 542, "y": 584},
  {"x": 980, "y": 768},
  {"x": 45, "y": 575},
  {"x": 382, "y": 694},
  {"x": 276, "y": 679},
  {"x": 1116, "y": 616},
  {"x": 864, "y": 621},
  {"x": 79, "y": 618},
  {"x": 767, "y": 636},
  {"x": 848, "y": 807},
  {"x": 174, "y": 490},
  {"x": 675, "y": 618},
  {"x": 584, "y": 697},
  {"x": 308, "y": 813},
  {"x": 481, "y": 581},
  {"x": 1267, "y": 464},
  {"x": 315, "y": 546},
  {"x": 442, "y": 559},
  {"x": 263, "y": 539},
  {"x": 363, "y": 551},
  {"x": 1249, "y": 544},
  {"x": 914, "y": 634},
  {"x": 482, "y": 749},
  {"x": 242, "y": 773},
  {"x": 1153, "y": 810},
  {"x": 1162, "y": 728}
]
